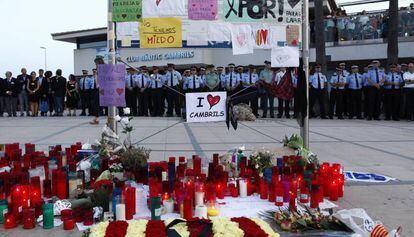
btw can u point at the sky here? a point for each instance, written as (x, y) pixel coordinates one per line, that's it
(26, 25)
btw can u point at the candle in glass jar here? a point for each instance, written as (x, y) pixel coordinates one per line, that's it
(200, 211)
(48, 216)
(286, 187)
(199, 198)
(279, 195)
(263, 189)
(314, 198)
(292, 201)
(168, 206)
(341, 185)
(9, 221)
(29, 219)
(155, 208)
(304, 194)
(219, 191)
(333, 191)
(120, 212)
(69, 224)
(243, 188)
(212, 210)
(188, 208)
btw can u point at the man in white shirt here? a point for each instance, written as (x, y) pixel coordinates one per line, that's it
(130, 92)
(250, 80)
(409, 91)
(172, 78)
(318, 84)
(143, 82)
(156, 92)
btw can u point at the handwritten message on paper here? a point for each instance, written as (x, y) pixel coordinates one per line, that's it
(111, 85)
(161, 33)
(202, 9)
(123, 11)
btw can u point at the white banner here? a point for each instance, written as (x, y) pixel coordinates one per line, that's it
(285, 56)
(161, 8)
(206, 107)
(242, 39)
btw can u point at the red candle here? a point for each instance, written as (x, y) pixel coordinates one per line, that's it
(220, 191)
(263, 189)
(272, 193)
(9, 221)
(47, 188)
(69, 224)
(28, 219)
(292, 201)
(210, 194)
(279, 196)
(129, 194)
(165, 196)
(333, 191)
(197, 165)
(188, 208)
(66, 214)
(341, 185)
(304, 194)
(215, 159)
(314, 199)
(88, 217)
(61, 185)
(234, 192)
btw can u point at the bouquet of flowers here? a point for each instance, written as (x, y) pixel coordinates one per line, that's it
(296, 142)
(262, 159)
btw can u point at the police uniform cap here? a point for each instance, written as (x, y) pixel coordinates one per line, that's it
(193, 67)
(375, 61)
(84, 70)
(231, 65)
(144, 67)
(342, 64)
(267, 62)
(404, 65)
(251, 66)
(338, 69)
(370, 66)
(220, 67)
(239, 67)
(170, 65)
(354, 66)
(155, 68)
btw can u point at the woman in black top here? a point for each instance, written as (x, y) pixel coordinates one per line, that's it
(47, 94)
(72, 95)
(33, 88)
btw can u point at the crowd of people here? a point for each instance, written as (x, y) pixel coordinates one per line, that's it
(159, 91)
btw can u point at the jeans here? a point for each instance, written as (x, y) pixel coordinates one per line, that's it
(23, 102)
(268, 96)
(58, 105)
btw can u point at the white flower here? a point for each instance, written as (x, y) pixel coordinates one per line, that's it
(109, 132)
(118, 118)
(127, 111)
(125, 121)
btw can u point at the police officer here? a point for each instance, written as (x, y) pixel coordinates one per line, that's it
(156, 92)
(193, 82)
(130, 91)
(266, 79)
(355, 83)
(365, 89)
(231, 80)
(409, 91)
(283, 105)
(222, 78)
(392, 94)
(84, 92)
(250, 80)
(93, 89)
(375, 80)
(336, 98)
(202, 76)
(345, 99)
(318, 84)
(143, 82)
(172, 78)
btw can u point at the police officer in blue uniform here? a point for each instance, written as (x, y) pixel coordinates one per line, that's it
(222, 78)
(131, 92)
(355, 83)
(375, 80)
(84, 92)
(157, 92)
(193, 82)
(143, 82)
(336, 98)
(250, 79)
(231, 80)
(318, 84)
(172, 78)
(392, 94)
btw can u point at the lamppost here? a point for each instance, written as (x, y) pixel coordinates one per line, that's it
(44, 48)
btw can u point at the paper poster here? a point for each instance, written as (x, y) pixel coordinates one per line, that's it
(130, 29)
(242, 39)
(123, 11)
(278, 35)
(195, 33)
(126, 42)
(292, 35)
(162, 8)
(287, 56)
(262, 36)
(275, 11)
(111, 85)
(206, 106)
(202, 9)
(161, 33)
(219, 31)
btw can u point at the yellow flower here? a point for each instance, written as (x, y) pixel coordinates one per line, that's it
(224, 227)
(99, 229)
(265, 227)
(136, 228)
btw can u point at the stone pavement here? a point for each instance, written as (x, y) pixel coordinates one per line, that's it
(382, 147)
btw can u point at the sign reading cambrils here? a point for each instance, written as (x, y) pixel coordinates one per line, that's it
(126, 10)
(275, 11)
(206, 106)
(161, 33)
(111, 80)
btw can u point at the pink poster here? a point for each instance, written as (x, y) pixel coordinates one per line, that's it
(202, 9)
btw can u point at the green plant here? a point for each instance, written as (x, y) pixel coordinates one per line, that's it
(134, 158)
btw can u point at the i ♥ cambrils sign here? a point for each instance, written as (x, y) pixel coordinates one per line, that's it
(206, 106)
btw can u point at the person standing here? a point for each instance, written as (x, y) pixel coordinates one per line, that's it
(222, 78)
(2, 94)
(365, 90)
(84, 93)
(11, 92)
(72, 95)
(392, 94)
(375, 80)
(172, 79)
(193, 82)
(283, 105)
(267, 97)
(23, 99)
(94, 91)
(130, 92)
(355, 83)
(59, 88)
(33, 87)
(409, 91)
(41, 77)
(250, 80)
(345, 97)
(336, 98)
(143, 82)
(231, 80)
(318, 85)
(47, 95)
(156, 92)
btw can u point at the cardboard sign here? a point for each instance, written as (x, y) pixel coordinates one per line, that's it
(242, 39)
(164, 8)
(275, 11)
(366, 177)
(202, 9)
(123, 11)
(287, 56)
(111, 80)
(206, 106)
(161, 33)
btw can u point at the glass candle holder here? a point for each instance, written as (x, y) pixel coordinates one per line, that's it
(65, 214)
(69, 224)
(213, 209)
(9, 221)
(48, 216)
(3, 211)
(29, 219)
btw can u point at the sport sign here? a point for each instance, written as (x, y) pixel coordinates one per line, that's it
(206, 106)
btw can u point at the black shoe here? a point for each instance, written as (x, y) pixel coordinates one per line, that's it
(272, 116)
(341, 117)
(360, 117)
(83, 114)
(324, 117)
(330, 117)
(377, 119)
(387, 119)
(396, 119)
(369, 118)
(351, 117)
(279, 116)
(288, 116)
(264, 116)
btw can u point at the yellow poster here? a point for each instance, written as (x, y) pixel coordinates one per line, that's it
(160, 33)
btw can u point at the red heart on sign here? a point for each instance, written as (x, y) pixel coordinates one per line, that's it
(102, 92)
(119, 91)
(213, 100)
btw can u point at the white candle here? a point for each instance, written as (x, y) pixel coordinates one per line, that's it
(199, 198)
(120, 212)
(168, 206)
(164, 176)
(200, 211)
(243, 188)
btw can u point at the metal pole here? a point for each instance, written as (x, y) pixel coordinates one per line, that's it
(44, 48)
(111, 60)
(304, 130)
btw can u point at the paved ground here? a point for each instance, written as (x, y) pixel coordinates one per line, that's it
(376, 146)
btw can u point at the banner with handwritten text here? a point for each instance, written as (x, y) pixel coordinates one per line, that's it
(202, 9)
(125, 11)
(111, 85)
(161, 33)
